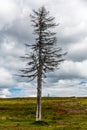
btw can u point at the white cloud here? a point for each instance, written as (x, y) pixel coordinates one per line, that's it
(9, 46)
(27, 89)
(6, 79)
(68, 82)
(8, 12)
(4, 93)
(78, 51)
(72, 69)
(67, 88)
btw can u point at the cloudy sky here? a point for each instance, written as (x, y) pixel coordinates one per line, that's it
(16, 30)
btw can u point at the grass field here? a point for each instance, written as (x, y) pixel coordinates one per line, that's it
(57, 114)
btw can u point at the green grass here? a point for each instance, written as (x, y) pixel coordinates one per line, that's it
(57, 114)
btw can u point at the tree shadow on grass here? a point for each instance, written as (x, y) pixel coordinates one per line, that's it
(40, 123)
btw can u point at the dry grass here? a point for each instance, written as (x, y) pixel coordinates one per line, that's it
(57, 114)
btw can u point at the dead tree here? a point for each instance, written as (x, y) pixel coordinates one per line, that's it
(46, 56)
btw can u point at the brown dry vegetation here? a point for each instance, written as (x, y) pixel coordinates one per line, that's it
(57, 114)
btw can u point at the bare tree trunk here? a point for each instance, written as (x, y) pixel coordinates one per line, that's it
(39, 91)
(39, 87)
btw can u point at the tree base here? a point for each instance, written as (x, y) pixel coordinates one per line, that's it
(40, 123)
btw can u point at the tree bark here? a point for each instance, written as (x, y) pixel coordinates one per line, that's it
(39, 83)
(39, 92)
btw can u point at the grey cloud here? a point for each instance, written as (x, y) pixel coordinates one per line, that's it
(20, 30)
(71, 35)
